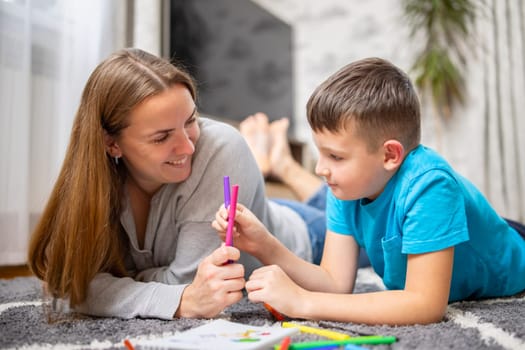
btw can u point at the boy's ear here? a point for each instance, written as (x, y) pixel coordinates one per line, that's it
(394, 153)
(112, 147)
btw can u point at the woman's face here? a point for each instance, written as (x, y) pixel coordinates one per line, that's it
(158, 144)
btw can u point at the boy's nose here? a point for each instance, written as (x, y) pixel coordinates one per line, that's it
(320, 170)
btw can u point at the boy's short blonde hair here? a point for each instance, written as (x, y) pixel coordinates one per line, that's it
(376, 96)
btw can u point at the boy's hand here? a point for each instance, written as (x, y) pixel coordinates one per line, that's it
(248, 232)
(271, 285)
(216, 285)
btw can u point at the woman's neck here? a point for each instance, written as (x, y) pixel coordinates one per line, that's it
(140, 205)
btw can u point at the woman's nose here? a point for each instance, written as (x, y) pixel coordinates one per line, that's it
(184, 143)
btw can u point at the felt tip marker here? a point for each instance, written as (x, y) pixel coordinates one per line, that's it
(362, 340)
(128, 345)
(285, 343)
(226, 183)
(276, 314)
(231, 216)
(317, 331)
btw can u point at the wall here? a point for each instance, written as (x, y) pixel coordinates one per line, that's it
(329, 34)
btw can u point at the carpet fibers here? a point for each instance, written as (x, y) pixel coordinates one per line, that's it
(487, 324)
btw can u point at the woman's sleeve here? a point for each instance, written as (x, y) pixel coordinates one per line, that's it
(123, 297)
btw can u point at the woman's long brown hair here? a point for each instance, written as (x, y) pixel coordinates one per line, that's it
(79, 233)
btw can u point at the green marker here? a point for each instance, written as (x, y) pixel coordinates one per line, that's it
(367, 339)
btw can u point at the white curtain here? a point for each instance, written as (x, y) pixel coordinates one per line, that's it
(48, 48)
(503, 59)
(486, 139)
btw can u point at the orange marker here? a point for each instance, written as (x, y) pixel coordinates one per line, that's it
(128, 345)
(278, 316)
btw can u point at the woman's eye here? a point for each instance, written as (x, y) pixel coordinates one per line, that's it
(161, 139)
(190, 121)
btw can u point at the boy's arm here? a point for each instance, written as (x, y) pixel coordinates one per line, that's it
(424, 299)
(336, 273)
(308, 291)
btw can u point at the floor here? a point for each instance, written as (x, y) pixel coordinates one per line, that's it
(14, 271)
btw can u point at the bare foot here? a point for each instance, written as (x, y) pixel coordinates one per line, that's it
(280, 154)
(285, 168)
(256, 131)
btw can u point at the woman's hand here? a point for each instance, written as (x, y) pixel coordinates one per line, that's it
(249, 233)
(271, 285)
(217, 284)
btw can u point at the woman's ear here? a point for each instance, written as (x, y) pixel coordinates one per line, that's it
(112, 147)
(394, 153)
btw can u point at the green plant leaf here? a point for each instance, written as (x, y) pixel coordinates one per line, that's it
(445, 26)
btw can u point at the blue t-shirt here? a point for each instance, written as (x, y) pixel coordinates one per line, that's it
(425, 207)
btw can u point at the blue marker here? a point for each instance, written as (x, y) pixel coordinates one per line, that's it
(354, 347)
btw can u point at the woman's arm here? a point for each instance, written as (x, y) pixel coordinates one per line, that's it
(214, 287)
(123, 297)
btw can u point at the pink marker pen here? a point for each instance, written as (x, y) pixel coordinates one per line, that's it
(231, 215)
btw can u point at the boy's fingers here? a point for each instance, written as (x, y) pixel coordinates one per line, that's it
(241, 214)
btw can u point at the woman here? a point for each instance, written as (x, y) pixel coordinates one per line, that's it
(127, 229)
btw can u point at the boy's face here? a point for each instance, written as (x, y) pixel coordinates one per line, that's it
(350, 170)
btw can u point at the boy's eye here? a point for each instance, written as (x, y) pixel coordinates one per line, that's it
(334, 157)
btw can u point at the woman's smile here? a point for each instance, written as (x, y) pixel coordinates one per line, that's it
(178, 163)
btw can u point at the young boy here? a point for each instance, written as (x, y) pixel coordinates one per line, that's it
(428, 232)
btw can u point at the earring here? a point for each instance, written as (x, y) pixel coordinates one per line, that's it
(116, 160)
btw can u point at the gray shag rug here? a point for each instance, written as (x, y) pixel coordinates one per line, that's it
(487, 324)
